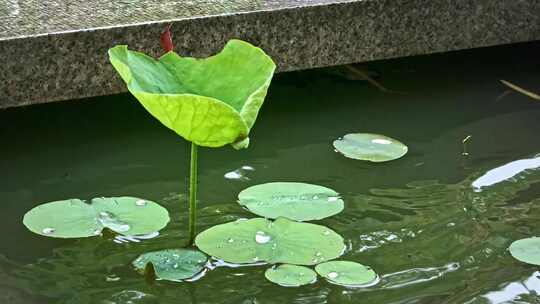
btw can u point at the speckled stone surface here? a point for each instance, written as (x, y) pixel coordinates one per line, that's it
(57, 50)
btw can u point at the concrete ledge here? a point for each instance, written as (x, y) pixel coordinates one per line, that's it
(58, 60)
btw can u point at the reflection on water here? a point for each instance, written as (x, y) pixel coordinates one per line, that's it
(240, 173)
(417, 221)
(119, 239)
(524, 291)
(506, 172)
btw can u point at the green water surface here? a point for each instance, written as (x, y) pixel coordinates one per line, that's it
(416, 220)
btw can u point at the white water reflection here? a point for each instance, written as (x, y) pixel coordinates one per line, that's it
(505, 172)
(129, 297)
(416, 275)
(119, 239)
(377, 239)
(515, 290)
(239, 174)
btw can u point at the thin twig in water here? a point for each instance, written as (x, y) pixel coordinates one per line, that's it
(464, 142)
(521, 90)
(365, 75)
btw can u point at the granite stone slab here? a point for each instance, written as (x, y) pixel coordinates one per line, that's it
(57, 50)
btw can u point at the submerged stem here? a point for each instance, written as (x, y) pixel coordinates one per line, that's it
(193, 194)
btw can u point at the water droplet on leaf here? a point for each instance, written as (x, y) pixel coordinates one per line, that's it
(140, 203)
(381, 141)
(110, 221)
(261, 237)
(48, 230)
(333, 275)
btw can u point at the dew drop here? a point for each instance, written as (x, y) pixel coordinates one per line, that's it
(332, 275)
(175, 266)
(262, 238)
(48, 230)
(140, 202)
(318, 254)
(315, 197)
(256, 259)
(96, 232)
(327, 232)
(230, 240)
(332, 199)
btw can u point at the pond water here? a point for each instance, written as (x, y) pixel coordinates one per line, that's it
(416, 220)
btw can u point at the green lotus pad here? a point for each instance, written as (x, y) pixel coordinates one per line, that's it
(370, 147)
(75, 218)
(172, 264)
(211, 102)
(347, 273)
(295, 201)
(526, 250)
(279, 241)
(291, 275)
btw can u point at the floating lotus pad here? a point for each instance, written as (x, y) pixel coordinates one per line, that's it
(370, 147)
(347, 273)
(75, 218)
(526, 250)
(291, 275)
(279, 241)
(176, 90)
(173, 264)
(296, 201)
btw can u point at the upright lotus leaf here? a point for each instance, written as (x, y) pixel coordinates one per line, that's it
(526, 250)
(347, 273)
(210, 102)
(290, 275)
(75, 218)
(279, 241)
(172, 264)
(295, 201)
(370, 147)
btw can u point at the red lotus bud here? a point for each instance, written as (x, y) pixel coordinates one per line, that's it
(165, 40)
